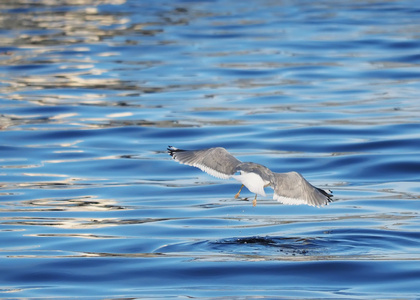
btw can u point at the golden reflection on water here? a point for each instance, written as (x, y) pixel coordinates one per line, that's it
(81, 203)
(54, 29)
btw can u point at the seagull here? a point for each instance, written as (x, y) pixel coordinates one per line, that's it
(289, 188)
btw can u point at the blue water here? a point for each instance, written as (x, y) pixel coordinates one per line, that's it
(92, 92)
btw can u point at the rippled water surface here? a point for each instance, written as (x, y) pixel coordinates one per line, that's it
(93, 91)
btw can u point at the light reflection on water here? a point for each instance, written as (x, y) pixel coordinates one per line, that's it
(92, 92)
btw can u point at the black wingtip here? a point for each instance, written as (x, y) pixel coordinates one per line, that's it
(326, 193)
(172, 150)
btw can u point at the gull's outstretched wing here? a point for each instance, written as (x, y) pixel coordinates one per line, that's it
(292, 188)
(217, 162)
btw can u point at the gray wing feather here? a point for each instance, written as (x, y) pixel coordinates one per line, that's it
(217, 162)
(292, 188)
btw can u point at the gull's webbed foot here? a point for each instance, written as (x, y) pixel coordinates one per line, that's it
(254, 203)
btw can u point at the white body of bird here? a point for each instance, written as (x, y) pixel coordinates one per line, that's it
(253, 182)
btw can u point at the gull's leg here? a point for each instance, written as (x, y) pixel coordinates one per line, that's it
(254, 203)
(237, 194)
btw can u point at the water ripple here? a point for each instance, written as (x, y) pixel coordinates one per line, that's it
(347, 244)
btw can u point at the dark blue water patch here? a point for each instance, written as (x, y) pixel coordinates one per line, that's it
(318, 46)
(92, 167)
(375, 167)
(70, 132)
(394, 8)
(42, 110)
(396, 169)
(62, 135)
(211, 34)
(370, 43)
(248, 72)
(166, 275)
(56, 271)
(16, 158)
(364, 138)
(373, 241)
(148, 169)
(196, 190)
(18, 10)
(72, 51)
(338, 131)
(404, 45)
(389, 169)
(384, 146)
(7, 150)
(394, 129)
(410, 58)
(195, 135)
(9, 49)
(395, 74)
(348, 162)
(26, 67)
(308, 68)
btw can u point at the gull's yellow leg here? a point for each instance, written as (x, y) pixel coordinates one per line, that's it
(237, 194)
(254, 203)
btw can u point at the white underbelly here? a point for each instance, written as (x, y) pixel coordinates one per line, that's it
(253, 182)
